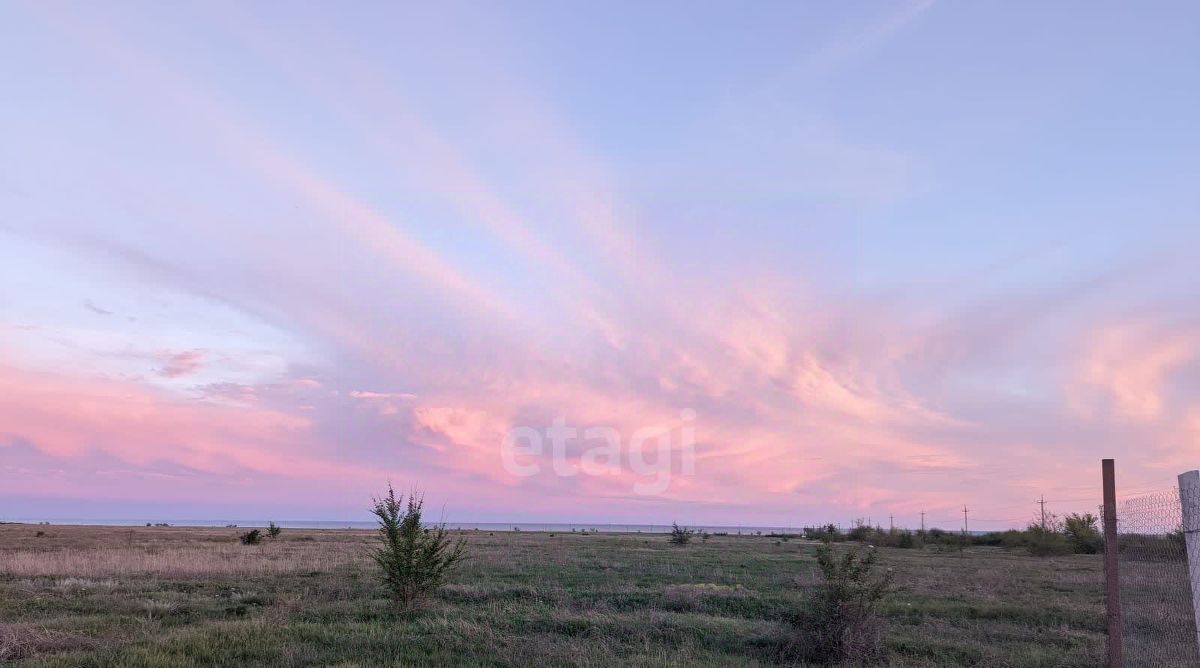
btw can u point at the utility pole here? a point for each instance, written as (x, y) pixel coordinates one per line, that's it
(1042, 503)
(922, 521)
(891, 523)
(963, 545)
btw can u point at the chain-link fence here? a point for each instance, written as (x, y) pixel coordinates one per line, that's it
(1157, 621)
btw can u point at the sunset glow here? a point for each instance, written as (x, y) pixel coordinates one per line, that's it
(871, 259)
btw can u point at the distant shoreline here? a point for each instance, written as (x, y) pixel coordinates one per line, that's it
(467, 526)
(557, 527)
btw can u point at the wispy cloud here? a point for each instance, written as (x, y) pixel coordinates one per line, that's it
(95, 309)
(185, 363)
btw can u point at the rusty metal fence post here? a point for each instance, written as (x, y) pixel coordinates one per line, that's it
(1112, 581)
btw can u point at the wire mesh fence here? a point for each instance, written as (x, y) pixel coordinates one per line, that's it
(1157, 620)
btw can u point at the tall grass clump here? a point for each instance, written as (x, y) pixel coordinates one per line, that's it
(413, 559)
(840, 623)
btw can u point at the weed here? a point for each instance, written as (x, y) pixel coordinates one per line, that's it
(841, 623)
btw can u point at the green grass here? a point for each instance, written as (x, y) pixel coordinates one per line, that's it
(87, 596)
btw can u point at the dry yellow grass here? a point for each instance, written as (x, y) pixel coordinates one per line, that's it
(167, 552)
(171, 562)
(18, 641)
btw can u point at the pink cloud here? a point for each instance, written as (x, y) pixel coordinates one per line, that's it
(1132, 364)
(177, 365)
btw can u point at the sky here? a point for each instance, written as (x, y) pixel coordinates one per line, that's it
(802, 262)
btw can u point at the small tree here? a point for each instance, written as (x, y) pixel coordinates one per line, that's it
(1082, 533)
(680, 535)
(251, 537)
(273, 530)
(841, 622)
(413, 559)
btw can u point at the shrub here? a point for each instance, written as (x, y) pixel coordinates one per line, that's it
(1153, 547)
(1046, 538)
(1082, 533)
(841, 623)
(680, 535)
(413, 559)
(273, 530)
(1049, 541)
(251, 537)
(1049, 544)
(861, 532)
(826, 534)
(1012, 538)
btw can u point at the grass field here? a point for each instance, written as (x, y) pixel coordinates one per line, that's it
(93, 596)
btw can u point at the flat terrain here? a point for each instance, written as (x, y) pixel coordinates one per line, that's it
(95, 596)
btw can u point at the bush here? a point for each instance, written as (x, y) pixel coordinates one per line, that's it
(841, 623)
(1049, 544)
(1153, 547)
(826, 534)
(1082, 533)
(1048, 540)
(680, 535)
(251, 537)
(413, 559)
(273, 530)
(861, 532)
